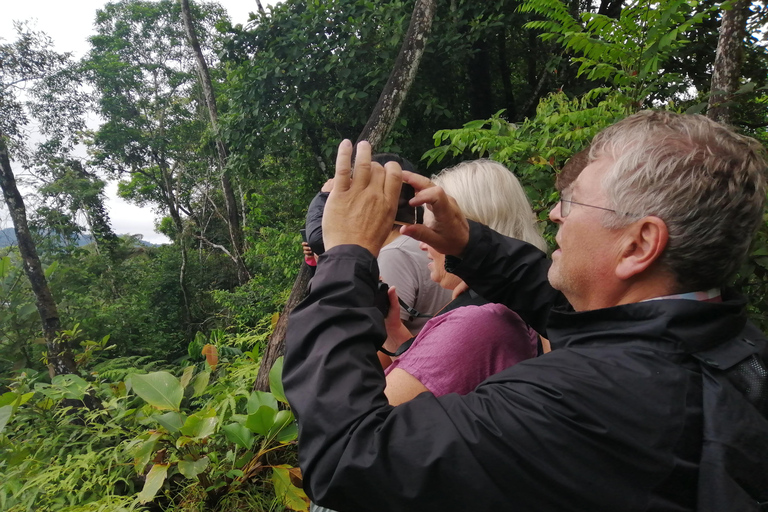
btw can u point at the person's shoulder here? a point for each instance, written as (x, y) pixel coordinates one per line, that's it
(400, 243)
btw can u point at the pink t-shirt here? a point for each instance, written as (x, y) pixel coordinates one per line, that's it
(458, 350)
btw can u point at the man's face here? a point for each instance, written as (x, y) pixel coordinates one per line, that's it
(583, 267)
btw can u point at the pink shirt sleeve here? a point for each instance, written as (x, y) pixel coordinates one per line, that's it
(458, 350)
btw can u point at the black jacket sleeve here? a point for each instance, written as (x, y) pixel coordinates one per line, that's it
(509, 272)
(314, 223)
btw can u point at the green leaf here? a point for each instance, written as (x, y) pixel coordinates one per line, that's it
(191, 469)
(5, 415)
(200, 425)
(159, 389)
(51, 269)
(143, 451)
(276, 380)
(71, 386)
(201, 382)
(5, 265)
(172, 421)
(283, 419)
(261, 421)
(186, 377)
(238, 434)
(292, 497)
(259, 398)
(154, 482)
(26, 310)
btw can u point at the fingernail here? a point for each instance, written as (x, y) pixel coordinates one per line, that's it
(346, 143)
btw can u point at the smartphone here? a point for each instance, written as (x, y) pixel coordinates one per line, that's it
(407, 214)
(303, 235)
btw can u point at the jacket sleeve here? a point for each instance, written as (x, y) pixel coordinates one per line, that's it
(314, 223)
(510, 272)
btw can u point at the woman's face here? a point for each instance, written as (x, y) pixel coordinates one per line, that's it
(437, 262)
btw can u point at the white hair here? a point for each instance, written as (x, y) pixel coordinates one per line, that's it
(488, 192)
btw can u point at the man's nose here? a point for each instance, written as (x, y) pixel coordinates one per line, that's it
(554, 213)
(423, 246)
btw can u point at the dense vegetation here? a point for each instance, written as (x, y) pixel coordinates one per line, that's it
(158, 410)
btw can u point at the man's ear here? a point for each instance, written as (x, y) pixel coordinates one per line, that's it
(645, 241)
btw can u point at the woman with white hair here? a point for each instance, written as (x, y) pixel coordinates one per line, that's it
(470, 339)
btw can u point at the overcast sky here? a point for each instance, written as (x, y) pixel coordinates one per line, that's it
(69, 24)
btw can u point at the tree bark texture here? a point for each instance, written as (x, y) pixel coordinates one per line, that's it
(727, 69)
(387, 109)
(230, 201)
(59, 353)
(276, 344)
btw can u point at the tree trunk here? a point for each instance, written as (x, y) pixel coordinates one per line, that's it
(230, 202)
(276, 345)
(59, 353)
(727, 69)
(393, 96)
(377, 128)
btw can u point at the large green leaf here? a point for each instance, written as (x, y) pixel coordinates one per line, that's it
(292, 497)
(261, 421)
(71, 386)
(276, 380)
(259, 398)
(200, 425)
(154, 482)
(201, 382)
(159, 389)
(238, 434)
(142, 452)
(192, 468)
(284, 428)
(5, 415)
(172, 420)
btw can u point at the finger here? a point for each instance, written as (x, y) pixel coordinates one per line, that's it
(422, 233)
(417, 181)
(378, 176)
(362, 165)
(343, 166)
(393, 182)
(428, 196)
(393, 303)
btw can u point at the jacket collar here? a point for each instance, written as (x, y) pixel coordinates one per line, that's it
(692, 326)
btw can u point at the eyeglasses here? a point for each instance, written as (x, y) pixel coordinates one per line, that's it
(565, 207)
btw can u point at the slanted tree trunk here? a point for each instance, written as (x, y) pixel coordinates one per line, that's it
(727, 70)
(377, 128)
(59, 353)
(276, 344)
(387, 109)
(230, 201)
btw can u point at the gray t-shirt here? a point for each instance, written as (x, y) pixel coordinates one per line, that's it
(403, 265)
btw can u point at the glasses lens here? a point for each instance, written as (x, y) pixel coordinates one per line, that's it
(565, 207)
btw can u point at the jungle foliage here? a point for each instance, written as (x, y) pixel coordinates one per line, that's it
(161, 413)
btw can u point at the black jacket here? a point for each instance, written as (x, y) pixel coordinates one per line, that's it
(611, 420)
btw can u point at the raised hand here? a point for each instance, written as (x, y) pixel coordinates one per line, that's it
(446, 230)
(361, 209)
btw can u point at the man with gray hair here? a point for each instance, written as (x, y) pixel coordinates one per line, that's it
(655, 395)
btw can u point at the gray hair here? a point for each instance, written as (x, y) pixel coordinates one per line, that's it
(489, 193)
(704, 181)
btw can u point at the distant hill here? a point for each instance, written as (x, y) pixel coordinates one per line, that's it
(8, 237)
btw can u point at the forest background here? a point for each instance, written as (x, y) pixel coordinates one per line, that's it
(147, 378)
